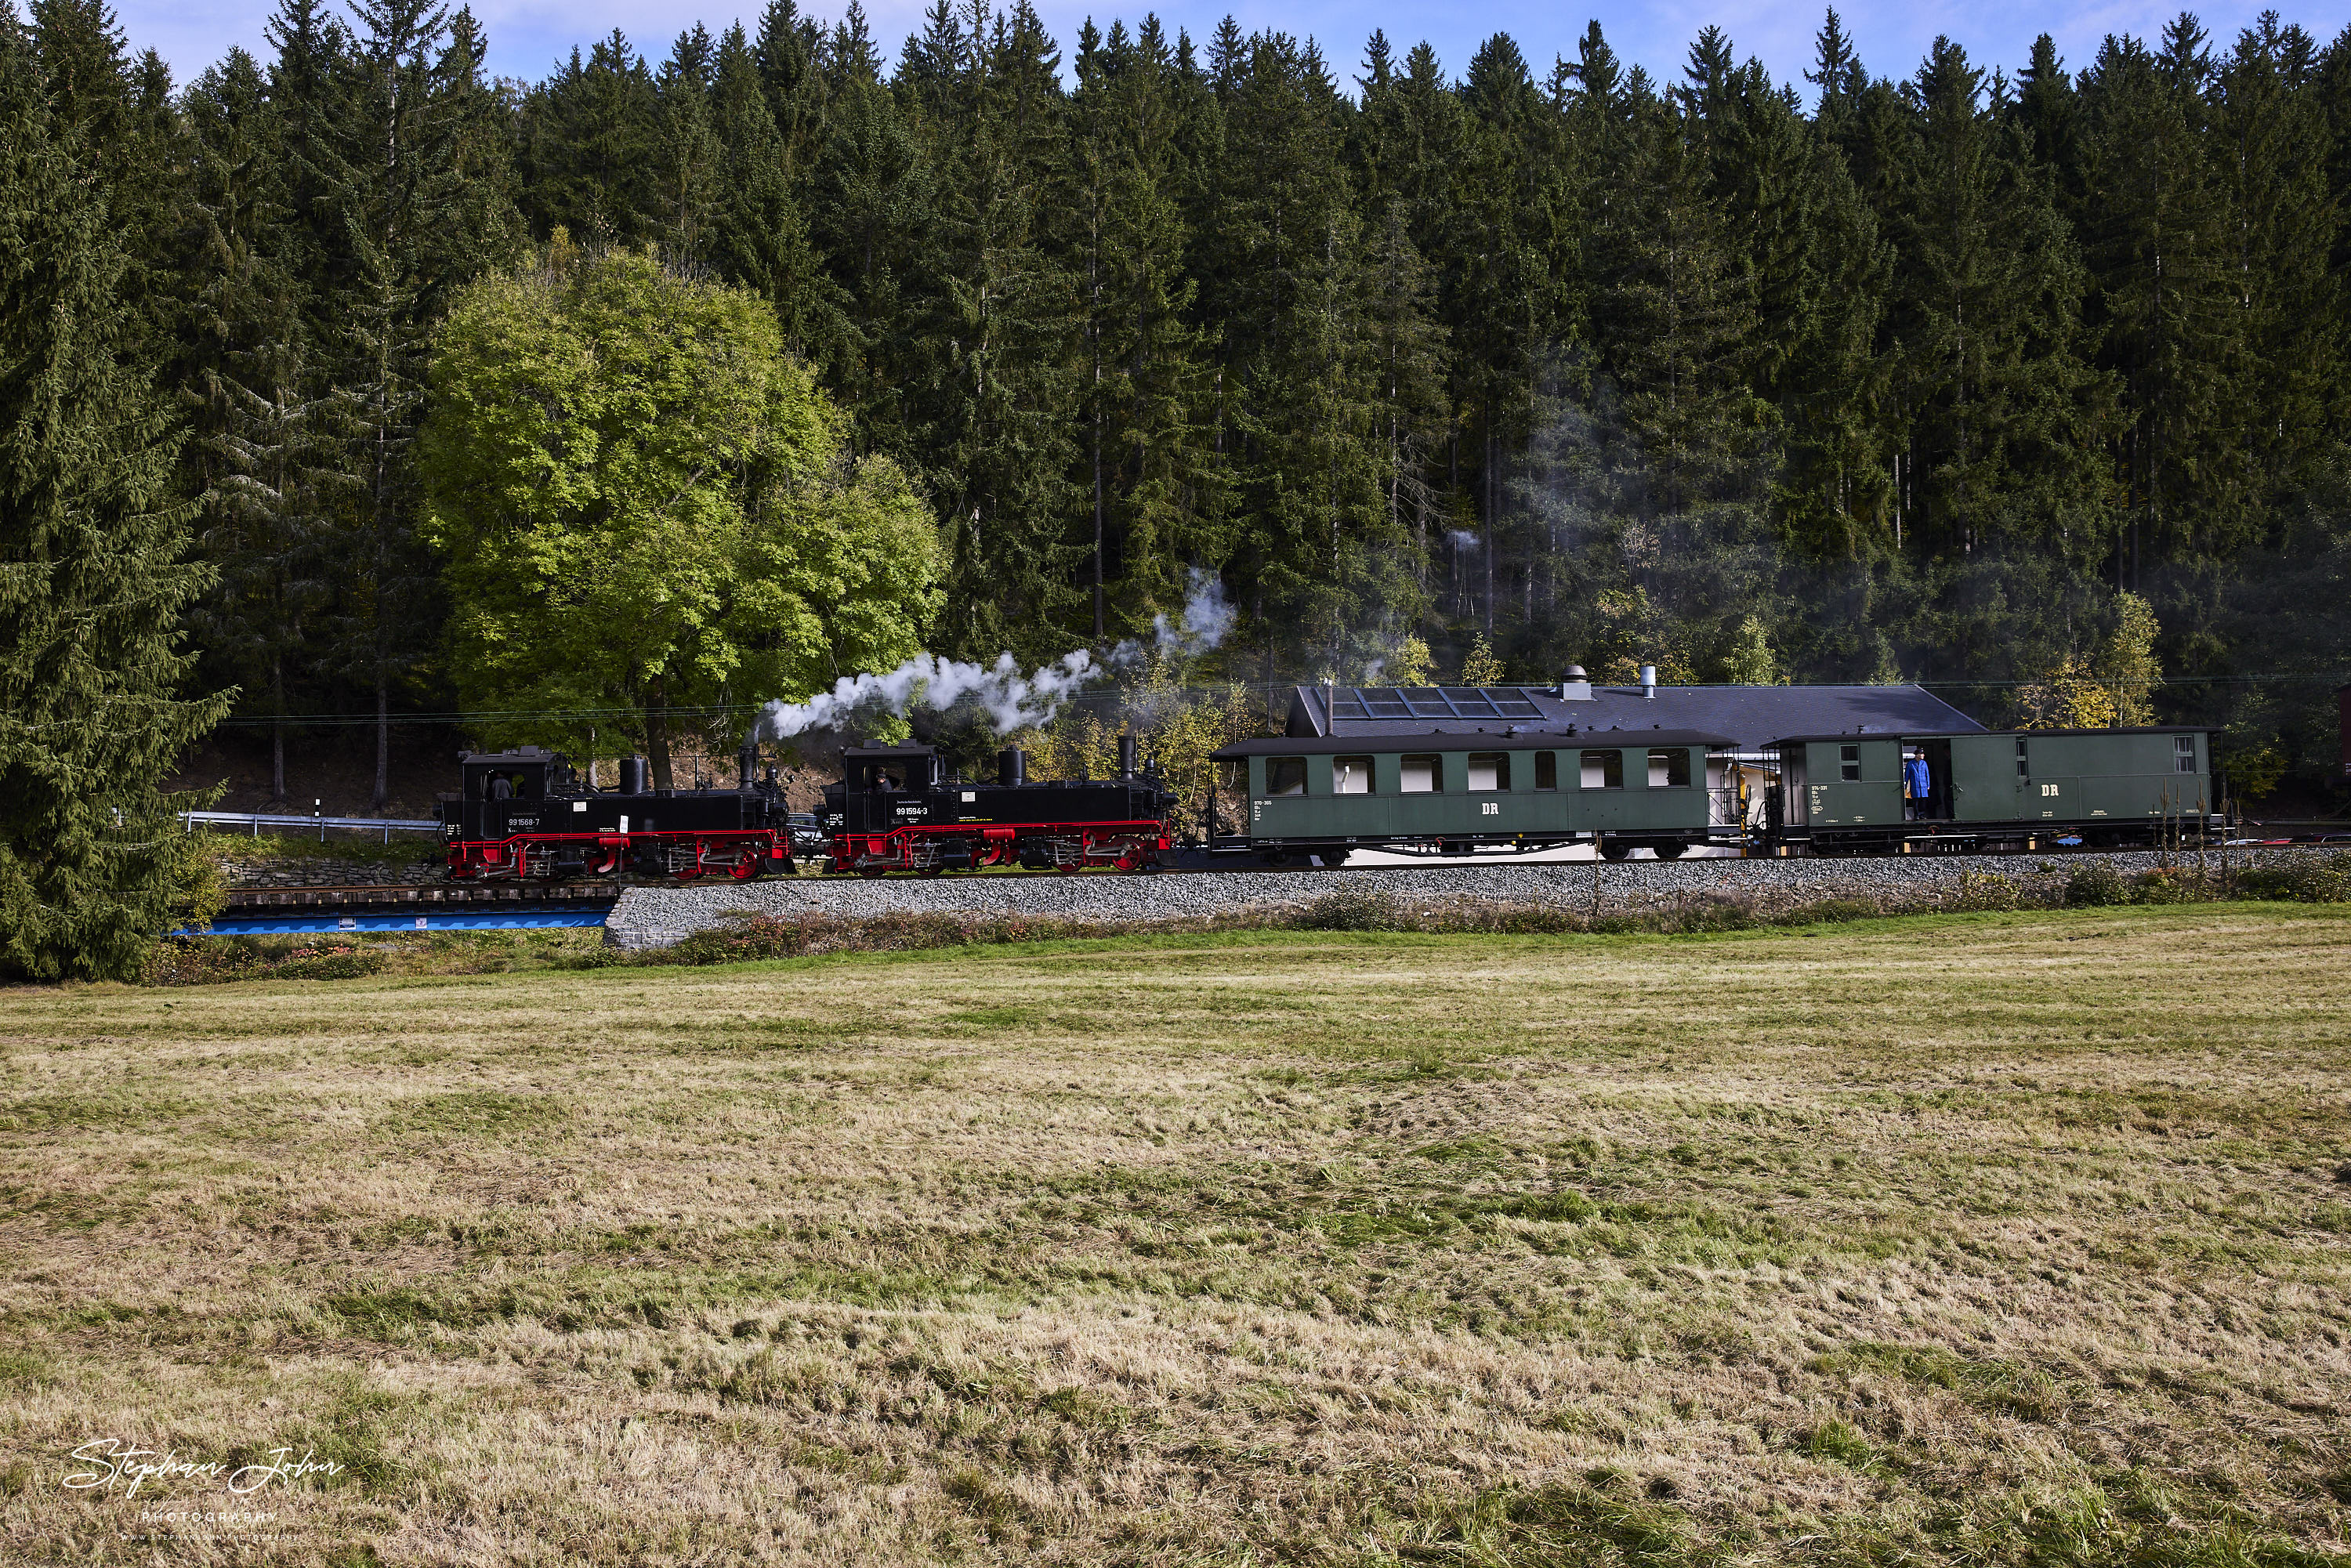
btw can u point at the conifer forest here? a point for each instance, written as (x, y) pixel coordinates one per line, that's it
(1911, 369)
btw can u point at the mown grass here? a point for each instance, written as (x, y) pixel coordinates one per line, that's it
(2001, 1238)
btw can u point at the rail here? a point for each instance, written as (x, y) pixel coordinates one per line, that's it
(257, 820)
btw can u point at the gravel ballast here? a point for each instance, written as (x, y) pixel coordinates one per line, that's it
(649, 917)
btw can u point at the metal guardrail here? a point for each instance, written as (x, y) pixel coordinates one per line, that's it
(257, 820)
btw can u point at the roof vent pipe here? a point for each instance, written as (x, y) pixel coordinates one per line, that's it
(1649, 682)
(1575, 686)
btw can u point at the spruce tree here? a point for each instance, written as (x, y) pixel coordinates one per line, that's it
(2006, 415)
(997, 342)
(760, 231)
(2154, 228)
(243, 373)
(1295, 367)
(789, 59)
(2050, 112)
(420, 213)
(115, 113)
(691, 157)
(873, 195)
(593, 146)
(2267, 124)
(93, 578)
(1499, 305)
(1155, 489)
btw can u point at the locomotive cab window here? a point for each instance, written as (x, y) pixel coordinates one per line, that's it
(1489, 770)
(1849, 764)
(1351, 776)
(1285, 776)
(1603, 771)
(1546, 769)
(2183, 753)
(1419, 775)
(1669, 768)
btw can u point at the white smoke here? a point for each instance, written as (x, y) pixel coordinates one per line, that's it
(1011, 699)
(1462, 539)
(1207, 617)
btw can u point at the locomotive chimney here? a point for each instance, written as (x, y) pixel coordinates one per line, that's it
(1011, 766)
(1126, 756)
(633, 775)
(746, 766)
(1649, 682)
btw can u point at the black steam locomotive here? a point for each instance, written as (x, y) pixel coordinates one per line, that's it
(528, 813)
(896, 810)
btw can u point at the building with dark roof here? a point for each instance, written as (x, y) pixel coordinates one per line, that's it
(1751, 716)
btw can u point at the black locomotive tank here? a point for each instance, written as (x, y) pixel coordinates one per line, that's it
(896, 810)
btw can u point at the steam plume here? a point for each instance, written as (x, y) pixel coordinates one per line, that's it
(1011, 699)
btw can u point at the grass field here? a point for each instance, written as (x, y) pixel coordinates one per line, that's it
(1975, 1239)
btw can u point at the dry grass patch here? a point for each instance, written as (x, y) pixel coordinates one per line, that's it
(1988, 1238)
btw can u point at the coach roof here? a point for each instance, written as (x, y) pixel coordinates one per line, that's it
(1499, 738)
(1751, 716)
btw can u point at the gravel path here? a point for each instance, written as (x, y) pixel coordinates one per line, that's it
(657, 917)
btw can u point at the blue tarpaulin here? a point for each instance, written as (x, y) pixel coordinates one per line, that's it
(486, 917)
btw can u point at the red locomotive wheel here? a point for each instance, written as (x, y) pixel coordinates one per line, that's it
(745, 868)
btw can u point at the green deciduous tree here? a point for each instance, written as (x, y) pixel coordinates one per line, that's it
(645, 505)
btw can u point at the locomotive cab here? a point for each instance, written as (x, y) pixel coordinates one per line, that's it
(882, 787)
(524, 773)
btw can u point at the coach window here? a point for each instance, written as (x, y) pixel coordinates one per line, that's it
(1418, 775)
(1285, 776)
(1603, 771)
(1351, 776)
(1669, 768)
(2183, 753)
(1489, 770)
(1849, 764)
(2023, 760)
(1546, 769)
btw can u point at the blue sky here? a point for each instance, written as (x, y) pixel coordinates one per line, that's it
(528, 38)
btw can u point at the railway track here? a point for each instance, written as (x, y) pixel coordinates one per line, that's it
(427, 895)
(329, 898)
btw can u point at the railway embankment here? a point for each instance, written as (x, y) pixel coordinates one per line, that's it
(654, 917)
(323, 872)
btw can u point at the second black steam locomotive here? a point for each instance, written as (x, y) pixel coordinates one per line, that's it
(896, 810)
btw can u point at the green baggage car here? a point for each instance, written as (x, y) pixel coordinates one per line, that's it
(1992, 790)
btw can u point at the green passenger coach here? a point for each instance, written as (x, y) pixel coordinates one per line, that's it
(1989, 790)
(1450, 791)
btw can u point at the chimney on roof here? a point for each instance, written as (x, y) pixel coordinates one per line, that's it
(1575, 686)
(1649, 682)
